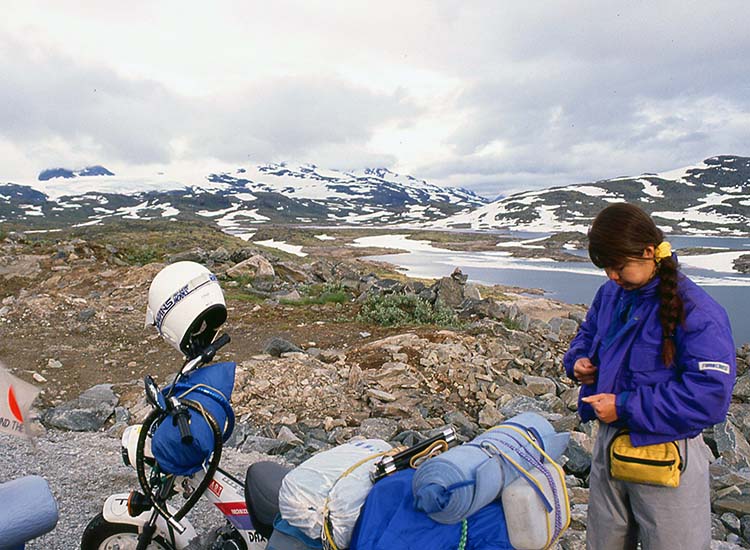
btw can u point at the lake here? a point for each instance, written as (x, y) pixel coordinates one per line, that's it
(575, 282)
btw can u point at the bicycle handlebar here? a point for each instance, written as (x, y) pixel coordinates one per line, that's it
(182, 419)
(206, 355)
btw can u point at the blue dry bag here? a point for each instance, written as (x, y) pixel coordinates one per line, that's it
(211, 387)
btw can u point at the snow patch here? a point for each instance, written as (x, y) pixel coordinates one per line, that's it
(282, 245)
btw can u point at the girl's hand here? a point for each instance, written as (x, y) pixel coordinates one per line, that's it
(604, 405)
(584, 371)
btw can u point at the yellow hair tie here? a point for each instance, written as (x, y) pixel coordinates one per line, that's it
(664, 250)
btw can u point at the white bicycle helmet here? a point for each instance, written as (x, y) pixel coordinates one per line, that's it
(186, 305)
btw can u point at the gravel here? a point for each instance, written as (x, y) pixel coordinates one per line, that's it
(83, 469)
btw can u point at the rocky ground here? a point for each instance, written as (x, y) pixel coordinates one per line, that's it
(312, 373)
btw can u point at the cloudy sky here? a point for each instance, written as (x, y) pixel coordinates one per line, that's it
(493, 96)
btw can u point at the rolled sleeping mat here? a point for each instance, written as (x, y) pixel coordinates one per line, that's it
(455, 484)
(29, 511)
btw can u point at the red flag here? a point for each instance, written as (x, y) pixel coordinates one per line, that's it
(16, 397)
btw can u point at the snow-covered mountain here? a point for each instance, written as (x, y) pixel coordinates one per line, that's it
(235, 200)
(712, 198)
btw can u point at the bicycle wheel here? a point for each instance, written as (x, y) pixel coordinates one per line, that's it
(103, 535)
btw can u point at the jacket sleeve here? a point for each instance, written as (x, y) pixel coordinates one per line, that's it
(699, 397)
(581, 343)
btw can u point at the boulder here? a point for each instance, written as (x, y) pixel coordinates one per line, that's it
(732, 445)
(578, 454)
(255, 266)
(539, 385)
(449, 291)
(195, 255)
(378, 428)
(87, 413)
(276, 346)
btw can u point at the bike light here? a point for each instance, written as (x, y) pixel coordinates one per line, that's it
(138, 503)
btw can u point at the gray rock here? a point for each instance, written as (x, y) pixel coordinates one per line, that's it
(465, 426)
(288, 295)
(87, 413)
(255, 266)
(521, 404)
(386, 286)
(489, 416)
(220, 255)
(724, 545)
(449, 291)
(381, 395)
(539, 385)
(742, 263)
(731, 521)
(738, 505)
(265, 445)
(276, 346)
(732, 445)
(378, 428)
(459, 276)
(86, 314)
(288, 436)
(570, 398)
(241, 431)
(577, 316)
(745, 527)
(578, 454)
(195, 255)
(289, 272)
(742, 387)
(718, 529)
(472, 291)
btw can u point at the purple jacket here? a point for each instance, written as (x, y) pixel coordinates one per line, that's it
(657, 403)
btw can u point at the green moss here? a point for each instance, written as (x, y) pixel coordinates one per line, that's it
(405, 309)
(511, 324)
(142, 255)
(320, 294)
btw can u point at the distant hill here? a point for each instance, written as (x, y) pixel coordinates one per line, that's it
(712, 198)
(51, 173)
(236, 201)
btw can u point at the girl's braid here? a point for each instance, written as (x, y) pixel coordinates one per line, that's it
(670, 307)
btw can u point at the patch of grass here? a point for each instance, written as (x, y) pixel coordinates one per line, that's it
(142, 255)
(494, 292)
(243, 297)
(136, 237)
(405, 309)
(321, 294)
(511, 324)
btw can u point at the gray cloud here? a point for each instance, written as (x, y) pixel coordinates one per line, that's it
(100, 114)
(45, 97)
(550, 92)
(286, 118)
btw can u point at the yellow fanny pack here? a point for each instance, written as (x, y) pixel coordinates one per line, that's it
(658, 464)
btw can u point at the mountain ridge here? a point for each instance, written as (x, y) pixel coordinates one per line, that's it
(236, 200)
(710, 198)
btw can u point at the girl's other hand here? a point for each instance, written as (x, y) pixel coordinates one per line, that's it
(584, 371)
(605, 406)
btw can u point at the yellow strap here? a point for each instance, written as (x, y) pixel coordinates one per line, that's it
(327, 534)
(433, 450)
(556, 467)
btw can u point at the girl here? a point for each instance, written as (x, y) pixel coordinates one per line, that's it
(654, 356)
